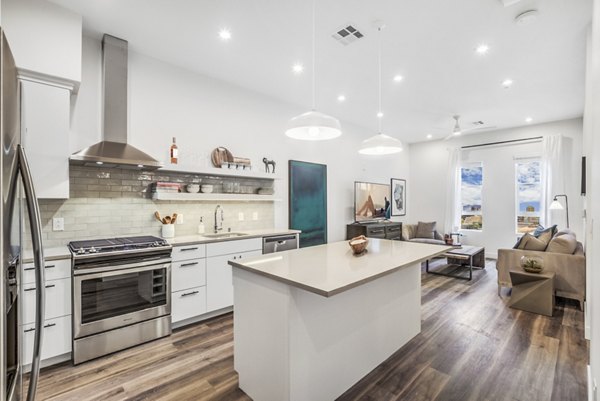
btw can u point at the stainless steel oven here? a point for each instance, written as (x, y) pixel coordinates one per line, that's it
(121, 298)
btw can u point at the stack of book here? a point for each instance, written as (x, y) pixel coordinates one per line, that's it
(166, 187)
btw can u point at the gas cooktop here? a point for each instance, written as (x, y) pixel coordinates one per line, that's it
(116, 245)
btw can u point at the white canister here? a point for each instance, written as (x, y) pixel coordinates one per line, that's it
(168, 230)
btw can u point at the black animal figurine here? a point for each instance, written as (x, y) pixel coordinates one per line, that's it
(269, 163)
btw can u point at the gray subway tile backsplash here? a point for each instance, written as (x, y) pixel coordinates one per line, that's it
(118, 202)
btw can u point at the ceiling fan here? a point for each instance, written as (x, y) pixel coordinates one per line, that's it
(458, 131)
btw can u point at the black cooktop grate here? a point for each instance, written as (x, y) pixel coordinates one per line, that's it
(116, 244)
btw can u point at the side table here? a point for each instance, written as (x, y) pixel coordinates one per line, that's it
(532, 292)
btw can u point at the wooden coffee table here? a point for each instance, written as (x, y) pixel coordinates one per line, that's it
(472, 257)
(532, 292)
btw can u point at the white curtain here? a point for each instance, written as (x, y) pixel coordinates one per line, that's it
(553, 178)
(452, 213)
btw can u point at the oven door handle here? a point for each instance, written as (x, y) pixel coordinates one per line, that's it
(121, 268)
(82, 277)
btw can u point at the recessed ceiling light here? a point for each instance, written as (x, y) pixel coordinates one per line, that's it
(298, 68)
(528, 120)
(379, 114)
(507, 83)
(225, 34)
(341, 98)
(398, 78)
(482, 49)
(526, 18)
(429, 136)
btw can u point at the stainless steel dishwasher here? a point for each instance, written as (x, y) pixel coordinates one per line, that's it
(280, 243)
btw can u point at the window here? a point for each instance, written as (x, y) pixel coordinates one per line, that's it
(471, 184)
(528, 195)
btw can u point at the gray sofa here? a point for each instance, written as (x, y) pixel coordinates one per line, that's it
(569, 281)
(409, 231)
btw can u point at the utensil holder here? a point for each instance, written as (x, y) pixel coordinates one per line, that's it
(168, 230)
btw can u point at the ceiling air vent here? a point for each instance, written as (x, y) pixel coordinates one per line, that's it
(478, 123)
(347, 34)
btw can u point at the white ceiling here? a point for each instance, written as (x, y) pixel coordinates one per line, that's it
(429, 42)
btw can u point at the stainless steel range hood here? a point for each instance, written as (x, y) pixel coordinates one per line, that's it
(114, 151)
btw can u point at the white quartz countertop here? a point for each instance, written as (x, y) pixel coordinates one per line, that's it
(201, 239)
(62, 252)
(56, 253)
(330, 269)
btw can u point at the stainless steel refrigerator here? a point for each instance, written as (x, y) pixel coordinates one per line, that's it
(19, 206)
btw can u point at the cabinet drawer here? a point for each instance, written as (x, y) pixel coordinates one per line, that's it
(237, 246)
(58, 300)
(188, 252)
(188, 274)
(188, 303)
(376, 232)
(57, 339)
(55, 269)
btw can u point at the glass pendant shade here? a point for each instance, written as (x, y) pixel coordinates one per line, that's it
(314, 126)
(380, 144)
(556, 205)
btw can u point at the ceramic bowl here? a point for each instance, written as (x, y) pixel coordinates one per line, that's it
(206, 189)
(192, 188)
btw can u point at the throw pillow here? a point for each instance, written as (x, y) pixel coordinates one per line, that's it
(546, 235)
(425, 230)
(565, 231)
(565, 243)
(530, 243)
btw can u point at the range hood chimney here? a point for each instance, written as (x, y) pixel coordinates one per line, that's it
(114, 151)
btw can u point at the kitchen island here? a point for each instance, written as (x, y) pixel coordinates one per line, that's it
(309, 323)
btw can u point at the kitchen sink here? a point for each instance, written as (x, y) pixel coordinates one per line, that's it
(225, 235)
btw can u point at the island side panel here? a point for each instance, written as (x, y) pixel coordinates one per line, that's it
(291, 344)
(336, 341)
(261, 336)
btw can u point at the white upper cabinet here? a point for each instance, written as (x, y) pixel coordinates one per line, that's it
(45, 40)
(45, 111)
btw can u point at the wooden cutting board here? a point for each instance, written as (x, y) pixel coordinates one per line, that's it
(220, 156)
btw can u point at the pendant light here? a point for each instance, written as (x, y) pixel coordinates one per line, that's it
(380, 144)
(313, 125)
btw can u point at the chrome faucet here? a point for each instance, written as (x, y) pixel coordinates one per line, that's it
(218, 223)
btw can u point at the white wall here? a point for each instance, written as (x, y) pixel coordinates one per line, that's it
(592, 151)
(203, 113)
(44, 37)
(429, 163)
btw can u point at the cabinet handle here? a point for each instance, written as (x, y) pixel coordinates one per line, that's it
(189, 249)
(46, 326)
(33, 268)
(189, 293)
(33, 288)
(188, 264)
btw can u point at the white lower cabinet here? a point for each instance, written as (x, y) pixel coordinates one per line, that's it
(57, 317)
(58, 300)
(56, 339)
(219, 280)
(188, 303)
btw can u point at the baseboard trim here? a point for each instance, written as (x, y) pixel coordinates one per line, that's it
(591, 390)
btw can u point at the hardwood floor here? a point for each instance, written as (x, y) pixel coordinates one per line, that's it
(472, 348)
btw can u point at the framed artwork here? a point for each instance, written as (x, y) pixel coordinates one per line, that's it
(308, 201)
(398, 197)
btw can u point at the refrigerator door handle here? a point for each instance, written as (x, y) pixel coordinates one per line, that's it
(38, 261)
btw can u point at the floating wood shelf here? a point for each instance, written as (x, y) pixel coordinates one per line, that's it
(220, 172)
(198, 197)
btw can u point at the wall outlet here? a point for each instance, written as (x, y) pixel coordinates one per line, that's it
(241, 216)
(58, 224)
(179, 219)
(254, 215)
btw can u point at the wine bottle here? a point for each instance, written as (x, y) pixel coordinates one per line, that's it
(174, 152)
